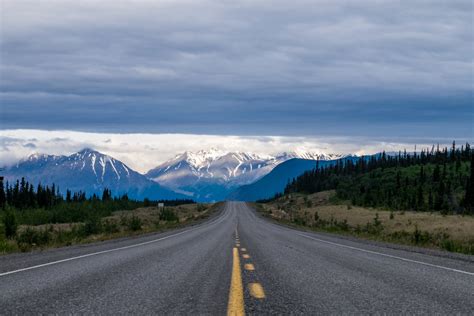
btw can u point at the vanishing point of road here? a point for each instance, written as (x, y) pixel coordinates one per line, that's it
(235, 263)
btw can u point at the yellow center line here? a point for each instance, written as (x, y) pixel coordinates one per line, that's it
(236, 293)
(256, 290)
(249, 267)
(245, 256)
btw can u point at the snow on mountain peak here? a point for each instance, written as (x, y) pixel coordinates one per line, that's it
(303, 153)
(37, 157)
(203, 157)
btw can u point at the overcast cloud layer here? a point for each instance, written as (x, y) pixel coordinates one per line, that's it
(384, 68)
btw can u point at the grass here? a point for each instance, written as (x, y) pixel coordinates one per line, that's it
(322, 212)
(118, 224)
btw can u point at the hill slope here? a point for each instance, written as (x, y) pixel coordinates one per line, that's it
(274, 182)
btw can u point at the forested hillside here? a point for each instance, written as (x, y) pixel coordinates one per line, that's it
(435, 179)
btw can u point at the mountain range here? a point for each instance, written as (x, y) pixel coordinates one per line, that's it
(212, 175)
(89, 171)
(206, 175)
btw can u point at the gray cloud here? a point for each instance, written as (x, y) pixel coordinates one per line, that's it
(239, 67)
(29, 145)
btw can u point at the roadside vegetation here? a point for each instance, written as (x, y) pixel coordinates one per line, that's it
(323, 212)
(36, 219)
(423, 199)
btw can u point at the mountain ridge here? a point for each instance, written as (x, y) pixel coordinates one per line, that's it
(213, 174)
(90, 171)
(204, 175)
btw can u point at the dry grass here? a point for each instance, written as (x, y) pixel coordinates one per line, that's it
(458, 228)
(150, 215)
(115, 226)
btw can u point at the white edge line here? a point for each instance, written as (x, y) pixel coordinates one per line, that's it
(105, 251)
(370, 251)
(387, 255)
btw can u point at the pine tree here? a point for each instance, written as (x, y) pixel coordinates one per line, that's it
(430, 200)
(440, 196)
(3, 197)
(420, 199)
(106, 195)
(469, 197)
(436, 173)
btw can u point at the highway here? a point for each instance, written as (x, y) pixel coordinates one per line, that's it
(235, 263)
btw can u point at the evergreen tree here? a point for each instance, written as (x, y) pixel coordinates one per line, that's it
(402, 181)
(3, 197)
(430, 200)
(106, 195)
(469, 196)
(436, 173)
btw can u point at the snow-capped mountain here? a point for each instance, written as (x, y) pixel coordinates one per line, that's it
(204, 175)
(208, 175)
(301, 154)
(89, 171)
(212, 174)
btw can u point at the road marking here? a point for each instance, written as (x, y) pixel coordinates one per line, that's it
(256, 290)
(249, 267)
(243, 249)
(237, 245)
(235, 307)
(110, 250)
(245, 256)
(387, 255)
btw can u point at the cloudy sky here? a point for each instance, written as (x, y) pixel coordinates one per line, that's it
(389, 71)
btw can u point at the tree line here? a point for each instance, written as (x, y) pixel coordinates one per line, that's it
(23, 195)
(438, 179)
(44, 204)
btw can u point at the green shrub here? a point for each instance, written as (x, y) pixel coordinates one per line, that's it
(10, 224)
(110, 226)
(31, 237)
(298, 220)
(134, 223)
(168, 215)
(91, 226)
(377, 222)
(7, 246)
(200, 207)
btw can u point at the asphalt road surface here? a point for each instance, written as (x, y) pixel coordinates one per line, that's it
(234, 263)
